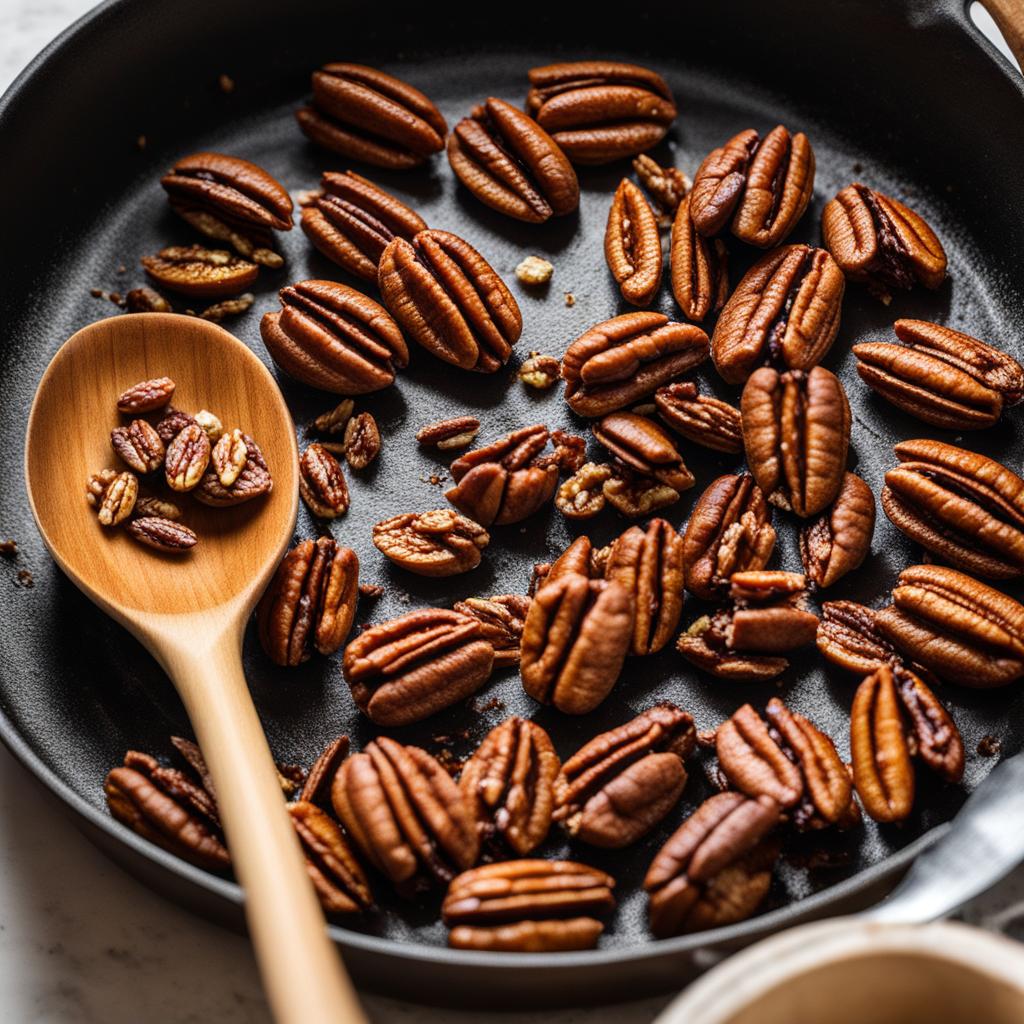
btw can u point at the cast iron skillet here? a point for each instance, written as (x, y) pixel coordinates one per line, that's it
(905, 96)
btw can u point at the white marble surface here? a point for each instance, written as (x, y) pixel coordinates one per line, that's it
(83, 943)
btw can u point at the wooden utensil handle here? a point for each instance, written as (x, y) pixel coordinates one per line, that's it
(302, 972)
(1009, 16)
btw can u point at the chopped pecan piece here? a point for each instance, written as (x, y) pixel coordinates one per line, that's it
(335, 419)
(632, 245)
(534, 271)
(316, 789)
(146, 300)
(700, 267)
(447, 434)
(337, 876)
(146, 396)
(501, 621)
(210, 423)
(636, 496)
(539, 371)
(139, 445)
(582, 495)
(438, 543)
(643, 446)
(667, 186)
(252, 482)
(839, 540)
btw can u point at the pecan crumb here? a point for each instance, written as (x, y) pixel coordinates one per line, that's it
(228, 307)
(534, 270)
(146, 300)
(990, 746)
(371, 591)
(539, 371)
(8, 548)
(570, 299)
(25, 579)
(493, 704)
(226, 83)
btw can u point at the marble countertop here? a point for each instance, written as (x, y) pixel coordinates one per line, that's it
(83, 943)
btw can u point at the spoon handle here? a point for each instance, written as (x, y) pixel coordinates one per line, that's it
(302, 972)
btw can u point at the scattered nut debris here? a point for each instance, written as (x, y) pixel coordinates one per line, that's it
(334, 420)
(8, 548)
(570, 299)
(146, 300)
(534, 270)
(990, 746)
(228, 307)
(539, 371)
(25, 578)
(371, 591)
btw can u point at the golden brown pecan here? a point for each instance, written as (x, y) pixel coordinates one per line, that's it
(965, 508)
(511, 164)
(705, 420)
(352, 221)
(447, 434)
(700, 274)
(310, 603)
(649, 564)
(667, 186)
(147, 505)
(162, 534)
(437, 543)
(362, 440)
(528, 906)
(931, 732)
(570, 451)
(210, 423)
(193, 270)
(617, 787)
(252, 482)
(368, 115)
(636, 496)
(796, 431)
(450, 300)
(785, 310)
(113, 495)
(716, 867)
(146, 300)
(960, 629)
(643, 446)
(632, 245)
(228, 307)
(146, 396)
(139, 445)
(730, 530)
(839, 540)
(619, 361)
(173, 422)
(322, 483)
(582, 495)
(229, 456)
(332, 337)
(187, 457)
(97, 484)
(501, 621)
(507, 480)
(575, 639)
(406, 815)
(510, 784)
(334, 420)
(168, 808)
(601, 110)
(879, 241)
(539, 371)
(407, 669)
(848, 636)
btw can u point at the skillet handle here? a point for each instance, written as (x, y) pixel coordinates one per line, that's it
(1009, 17)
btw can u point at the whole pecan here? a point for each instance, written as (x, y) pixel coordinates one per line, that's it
(932, 734)
(785, 310)
(146, 396)
(447, 434)
(632, 245)
(839, 540)
(231, 200)
(796, 431)
(700, 267)
(643, 446)
(510, 784)
(715, 869)
(252, 482)
(310, 603)
(880, 242)
(528, 906)
(617, 787)
(601, 110)
(963, 507)
(619, 361)
(649, 564)
(113, 495)
(229, 456)
(730, 530)
(368, 115)
(958, 628)
(848, 636)
(186, 459)
(139, 445)
(337, 876)
(193, 270)
(409, 668)
(703, 419)
(406, 814)
(575, 639)
(581, 496)
(353, 221)
(511, 164)
(437, 543)
(149, 506)
(332, 337)
(162, 534)
(450, 300)
(762, 185)
(322, 483)
(507, 480)
(501, 621)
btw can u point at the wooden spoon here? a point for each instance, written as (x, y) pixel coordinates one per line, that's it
(190, 611)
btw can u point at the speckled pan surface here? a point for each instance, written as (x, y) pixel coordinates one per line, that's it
(903, 96)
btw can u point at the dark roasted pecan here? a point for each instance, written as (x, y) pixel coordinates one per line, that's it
(958, 628)
(368, 115)
(785, 310)
(407, 669)
(601, 110)
(230, 200)
(501, 621)
(649, 564)
(575, 639)
(150, 506)
(139, 445)
(931, 732)
(762, 185)
(310, 603)
(193, 270)
(617, 787)
(667, 186)
(632, 245)
(796, 431)
(509, 782)
(162, 534)
(335, 338)
(174, 421)
(965, 508)
(362, 440)
(252, 482)
(700, 267)
(507, 480)
(643, 446)
(848, 636)
(705, 646)
(337, 876)
(730, 530)
(624, 359)
(316, 788)
(878, 241)
(450, 300)
(581, 496)
(437, 543)
(528, 906)
(511, 164)
(705, 420)
(187, 457)
(322, 483)
(839, 540)
(146, 300)
(146, 396)
(447, 434)
(406, 814)
(716, 867)
(168, 808)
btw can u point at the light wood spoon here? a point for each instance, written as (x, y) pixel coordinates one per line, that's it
(190, 611)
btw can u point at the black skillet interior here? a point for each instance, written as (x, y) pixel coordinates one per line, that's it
(929, 117)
